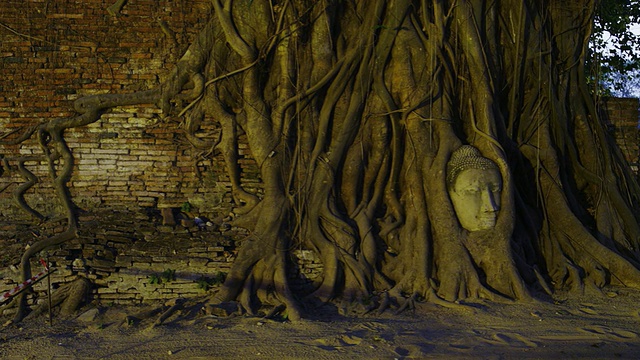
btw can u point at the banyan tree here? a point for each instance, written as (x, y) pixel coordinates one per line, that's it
(438, 150)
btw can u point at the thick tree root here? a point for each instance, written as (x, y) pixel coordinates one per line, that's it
(25, 265)
(114, 10)
(69, 297)
(176, 307)
(408, 304)
(135, 319)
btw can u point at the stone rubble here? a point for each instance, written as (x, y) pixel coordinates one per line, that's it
(133, 257)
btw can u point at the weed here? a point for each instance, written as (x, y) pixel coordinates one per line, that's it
(219, 278)
(205, 283)
(154, 279)
(168, 275)
(164, 277)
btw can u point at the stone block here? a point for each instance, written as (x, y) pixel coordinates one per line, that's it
(167, 216)
(198, 262)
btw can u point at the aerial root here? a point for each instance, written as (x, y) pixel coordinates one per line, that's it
(542, 281)
(245, 295)
(409, 304)
(390, 300)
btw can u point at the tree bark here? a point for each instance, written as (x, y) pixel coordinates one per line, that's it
(352, 110)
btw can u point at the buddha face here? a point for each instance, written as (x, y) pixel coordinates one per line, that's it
(475, 194)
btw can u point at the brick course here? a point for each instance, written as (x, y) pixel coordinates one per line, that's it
(53, 53)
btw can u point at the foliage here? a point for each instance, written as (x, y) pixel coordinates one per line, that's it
(205, 283)
(164, 277)
(154, 279)
(613, 63)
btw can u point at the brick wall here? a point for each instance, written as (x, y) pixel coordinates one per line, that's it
(53, 52)
(131, 257)
(622, 117)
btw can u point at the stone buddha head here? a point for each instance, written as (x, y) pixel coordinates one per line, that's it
(474, 184)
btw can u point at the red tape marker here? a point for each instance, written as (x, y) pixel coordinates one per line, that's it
(9, 294)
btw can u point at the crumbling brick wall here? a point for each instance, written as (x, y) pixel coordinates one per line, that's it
(622, 118)
(52, 53)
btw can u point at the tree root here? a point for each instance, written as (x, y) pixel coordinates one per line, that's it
(25, 264)
(177, 306)
(398, 77)
(393, 299)
(114, 10)
(408, 304)
(279, 309)
(133, 320)
(69, 297)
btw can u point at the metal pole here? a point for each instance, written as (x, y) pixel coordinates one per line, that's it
(49, 284)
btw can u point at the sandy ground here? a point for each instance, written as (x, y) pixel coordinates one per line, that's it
(595, 327)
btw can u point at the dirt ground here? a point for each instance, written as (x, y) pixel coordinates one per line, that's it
(598, 326)
(604, 326)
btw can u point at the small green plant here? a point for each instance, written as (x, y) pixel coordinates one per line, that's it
(166, 276)
(205, 283)
(219, 278)
(154, 279)
(186, 207)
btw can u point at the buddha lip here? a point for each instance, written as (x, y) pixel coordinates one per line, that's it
(487, 218)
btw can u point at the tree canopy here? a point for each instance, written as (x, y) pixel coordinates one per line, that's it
(614, 49)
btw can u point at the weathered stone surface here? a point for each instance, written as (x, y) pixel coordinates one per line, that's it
(198, 262)
(131, 272)
(89, 315)
(167, 216)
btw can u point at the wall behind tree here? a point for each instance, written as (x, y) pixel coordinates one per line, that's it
(52, 53)
(622, 117)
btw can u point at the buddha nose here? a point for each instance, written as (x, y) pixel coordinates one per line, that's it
(489, 203)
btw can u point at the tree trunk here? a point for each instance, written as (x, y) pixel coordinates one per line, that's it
(353, 109)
